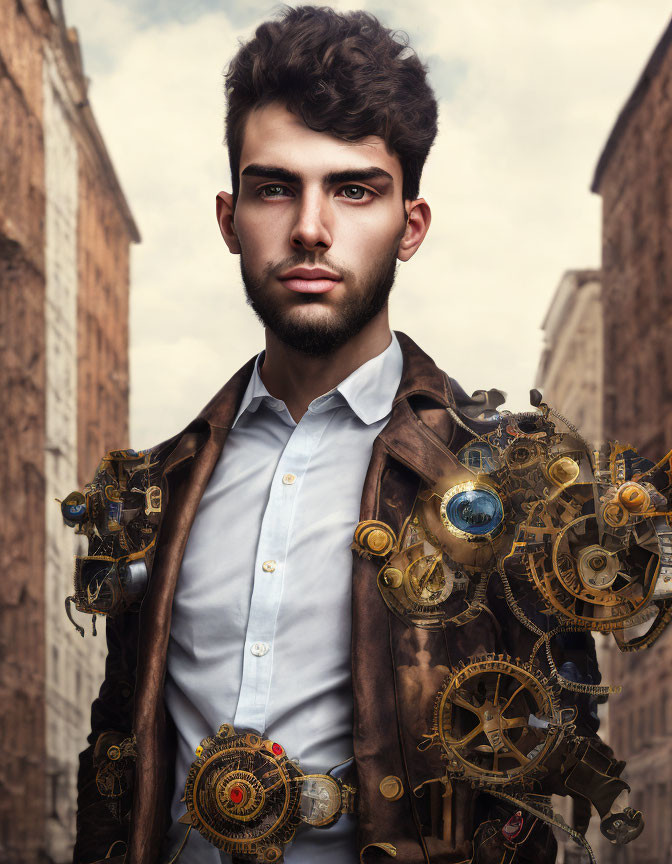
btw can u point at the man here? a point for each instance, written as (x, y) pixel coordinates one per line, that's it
(254, 615)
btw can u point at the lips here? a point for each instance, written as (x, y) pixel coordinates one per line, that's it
(310, 280)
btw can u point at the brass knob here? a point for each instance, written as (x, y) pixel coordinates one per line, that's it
(377, 540)
(563, 471)
(634, 497)
(391, 788)
(374, 538)
(392, 578)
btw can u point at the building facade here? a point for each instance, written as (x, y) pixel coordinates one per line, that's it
(634, 179)
(65, 232)
(607, 366)
(570, 370)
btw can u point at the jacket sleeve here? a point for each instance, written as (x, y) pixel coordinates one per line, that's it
(107, 766)
(105, 784)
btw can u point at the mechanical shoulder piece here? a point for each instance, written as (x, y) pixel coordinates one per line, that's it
(577, 535)
(119, 512)
(576, 540)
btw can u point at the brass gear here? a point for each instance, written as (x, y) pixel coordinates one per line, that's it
(571, 583)
(243, 794)
(497, 720)
(523, 453)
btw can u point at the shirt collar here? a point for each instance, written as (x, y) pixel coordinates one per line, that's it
(368, 391)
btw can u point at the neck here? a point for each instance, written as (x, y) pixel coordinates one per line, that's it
(298, 378)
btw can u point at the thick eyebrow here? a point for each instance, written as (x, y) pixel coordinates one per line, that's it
(271, 172)
(357, 174)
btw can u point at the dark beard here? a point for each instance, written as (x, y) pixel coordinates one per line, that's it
(320, 339)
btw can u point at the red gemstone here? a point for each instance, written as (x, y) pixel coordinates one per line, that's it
(277, 749)
(236, 794)
(514, 826)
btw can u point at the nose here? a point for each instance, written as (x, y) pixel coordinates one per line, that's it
(310, 230)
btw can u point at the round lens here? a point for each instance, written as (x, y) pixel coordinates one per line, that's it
(475, 511)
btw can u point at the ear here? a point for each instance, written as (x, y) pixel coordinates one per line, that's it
(225, 205)
(417, 225)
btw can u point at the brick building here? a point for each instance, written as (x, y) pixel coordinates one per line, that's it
(634, 179)
(65, 231)
(630, 317)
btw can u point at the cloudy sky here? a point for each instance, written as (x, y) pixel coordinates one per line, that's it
(528, 90)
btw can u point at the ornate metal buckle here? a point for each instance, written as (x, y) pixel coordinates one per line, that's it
(245, 795)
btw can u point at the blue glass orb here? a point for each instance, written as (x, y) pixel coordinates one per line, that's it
(475, 511)
(73, 509)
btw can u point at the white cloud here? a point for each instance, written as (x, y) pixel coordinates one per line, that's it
(529, 91)
(509, 176)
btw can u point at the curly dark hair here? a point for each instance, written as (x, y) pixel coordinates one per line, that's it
(342, 73)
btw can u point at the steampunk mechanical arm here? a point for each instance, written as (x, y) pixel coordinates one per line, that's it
(574, 540)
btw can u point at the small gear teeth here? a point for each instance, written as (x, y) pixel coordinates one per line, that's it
(480, 695)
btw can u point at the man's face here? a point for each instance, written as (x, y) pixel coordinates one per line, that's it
(318, 223)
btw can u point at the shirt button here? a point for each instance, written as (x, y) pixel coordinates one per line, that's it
(260, 648)
(268, 566)
(288, 479)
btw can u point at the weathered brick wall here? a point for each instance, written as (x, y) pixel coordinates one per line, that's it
(103, 321)
(636, 190)
(65, 230)
(22, 435)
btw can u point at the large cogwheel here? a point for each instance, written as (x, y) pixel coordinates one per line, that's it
(497, 721)
(243, 796)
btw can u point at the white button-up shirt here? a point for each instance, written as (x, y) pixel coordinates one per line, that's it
(261, 625)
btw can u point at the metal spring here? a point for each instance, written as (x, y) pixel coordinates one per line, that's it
(575, 686)
(647, 640)
(464, 426)
(572, 428)
(545, 638)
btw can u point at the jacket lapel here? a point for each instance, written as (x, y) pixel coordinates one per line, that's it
(414, 444)
(187, 472)
(408, 451)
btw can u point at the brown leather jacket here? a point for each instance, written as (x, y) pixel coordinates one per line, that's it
(396, 669)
